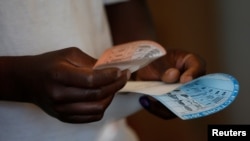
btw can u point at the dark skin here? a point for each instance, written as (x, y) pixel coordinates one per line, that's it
(66, 87)
(62, 83)
(131, 21)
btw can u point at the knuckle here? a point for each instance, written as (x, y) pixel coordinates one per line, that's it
(101, 108)
(55, 72)
(55, 75)
(98, 117)
(90, 80)
(55, 95)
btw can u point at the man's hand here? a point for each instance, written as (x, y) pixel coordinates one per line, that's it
(63, 84)
(176, 66)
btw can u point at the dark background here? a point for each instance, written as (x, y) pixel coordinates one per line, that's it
(218, 30)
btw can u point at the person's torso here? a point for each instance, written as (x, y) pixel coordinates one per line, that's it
(29, 27)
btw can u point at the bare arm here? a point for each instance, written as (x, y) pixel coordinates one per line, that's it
(130, 21)
(8, 81)
(62, 83)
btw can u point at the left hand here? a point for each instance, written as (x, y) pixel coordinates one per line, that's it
(175, 66)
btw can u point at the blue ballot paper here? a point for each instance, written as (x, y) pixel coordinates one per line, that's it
(200, 97)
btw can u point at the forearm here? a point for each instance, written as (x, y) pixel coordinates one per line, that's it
(130, 21)
(10, 85)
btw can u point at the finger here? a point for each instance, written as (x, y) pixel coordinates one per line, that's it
(62, 94)
(171, 75)
(84, 108)
(80, 118)
(117, 85)
(194, 67)
(76, 57)
(156, 108)
(188, 75)
(85, 77)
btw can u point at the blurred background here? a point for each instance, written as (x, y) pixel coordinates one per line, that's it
(218, 30)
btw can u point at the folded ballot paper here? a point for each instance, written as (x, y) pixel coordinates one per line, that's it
(131, 56)
(200, 97)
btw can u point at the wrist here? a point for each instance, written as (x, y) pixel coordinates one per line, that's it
(10, 76)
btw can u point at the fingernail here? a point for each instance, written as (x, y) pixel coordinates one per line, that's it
(145, 102)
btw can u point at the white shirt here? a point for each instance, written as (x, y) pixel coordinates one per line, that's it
(30, 27)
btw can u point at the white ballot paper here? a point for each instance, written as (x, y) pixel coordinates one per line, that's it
(131, 56)
(200, 97)
(149, 87)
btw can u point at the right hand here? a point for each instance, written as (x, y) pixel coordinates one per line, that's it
(65, 86)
